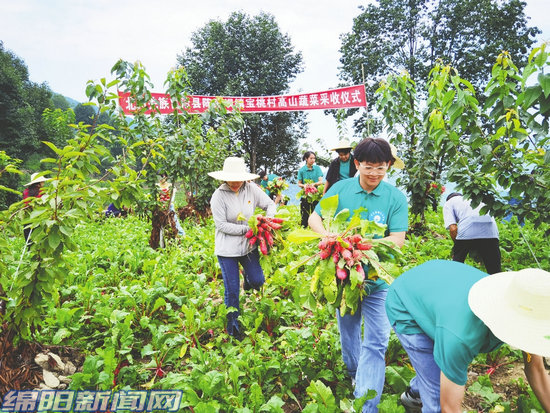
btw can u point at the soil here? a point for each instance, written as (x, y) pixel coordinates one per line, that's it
(504, 380)
(18, 371)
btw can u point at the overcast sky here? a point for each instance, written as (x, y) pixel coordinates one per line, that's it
(65, 43)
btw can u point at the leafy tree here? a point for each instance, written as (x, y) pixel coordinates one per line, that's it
(21, 105)
(397, 44)
(391, 36)
(249, 56)
(496, 152)
(84, 113)
(503, 146)
(60, 102)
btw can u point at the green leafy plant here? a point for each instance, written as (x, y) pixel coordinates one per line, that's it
(312, 193)
(339, 277)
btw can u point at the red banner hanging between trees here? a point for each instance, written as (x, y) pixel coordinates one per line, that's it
(345, 97)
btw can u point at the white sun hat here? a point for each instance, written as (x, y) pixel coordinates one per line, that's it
(515, 305)
(35, 179)
(398, 163)
(343, 144)
(233, 170)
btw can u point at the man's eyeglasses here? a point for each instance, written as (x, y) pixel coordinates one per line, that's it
(378, 170)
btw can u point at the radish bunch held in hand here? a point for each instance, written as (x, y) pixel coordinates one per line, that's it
(346, 253)
(263, 231)
(310, 191)
(353, 243)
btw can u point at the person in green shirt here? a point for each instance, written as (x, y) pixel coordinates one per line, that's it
(308, 172)
(341, 167)
(364, 335)
(446, 312)
(265, 179)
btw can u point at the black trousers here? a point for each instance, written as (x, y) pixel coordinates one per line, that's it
(485, 248)
(306, 208)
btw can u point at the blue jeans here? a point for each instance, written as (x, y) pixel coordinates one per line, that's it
(231, 280)
(365, 356)
(420, 349)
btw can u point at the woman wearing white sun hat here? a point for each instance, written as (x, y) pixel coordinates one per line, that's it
(237, 197)
(446, 312)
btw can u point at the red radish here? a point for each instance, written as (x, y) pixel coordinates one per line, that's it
(359, 269)
(347, 254)
(324, 254)
(363, 247)
(268, 238)
(341, 273)
(263, 245)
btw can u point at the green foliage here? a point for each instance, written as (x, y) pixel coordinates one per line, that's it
(134, 310)
(380, 257)
(389, 36)
(21, 105)
(495, 153)
(249, 56)
(500, 148)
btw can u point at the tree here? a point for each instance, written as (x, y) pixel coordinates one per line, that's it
(392, 36)
(249, 56)
(21, 105)
(60, 102)
(398, 43)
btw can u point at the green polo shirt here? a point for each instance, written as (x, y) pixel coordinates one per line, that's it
(344, 169)
(385, 205)
(313, 174)
(432, 298)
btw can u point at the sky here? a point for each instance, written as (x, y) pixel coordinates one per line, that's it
(65, 43)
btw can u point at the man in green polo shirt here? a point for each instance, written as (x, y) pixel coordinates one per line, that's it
(446, 312)
(364, 353)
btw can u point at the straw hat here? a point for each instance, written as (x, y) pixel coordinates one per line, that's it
(343, 144)
(516, 307)
(398, 164)
(35, 179)
(233, 170)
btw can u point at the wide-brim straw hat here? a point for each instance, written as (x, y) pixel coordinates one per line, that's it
(343, 144)
(398, 163)
(234, 169)
(35, 179)
(515, 305)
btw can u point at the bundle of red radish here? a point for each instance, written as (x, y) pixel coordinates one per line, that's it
(346, 253)
(263, 231)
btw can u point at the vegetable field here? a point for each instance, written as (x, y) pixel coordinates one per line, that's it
(154, 319)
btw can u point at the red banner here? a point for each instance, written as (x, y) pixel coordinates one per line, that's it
(345, 97)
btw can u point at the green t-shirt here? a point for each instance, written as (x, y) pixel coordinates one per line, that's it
(313, 174)
(432, 298)
(385, 205)
(344, 170)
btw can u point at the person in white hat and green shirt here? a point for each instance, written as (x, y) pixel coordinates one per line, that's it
(237, 197)
(446, 312)
(341, 167)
